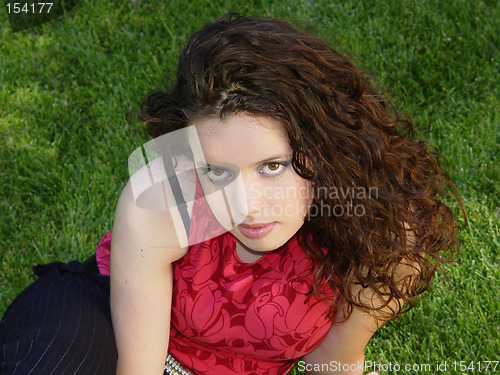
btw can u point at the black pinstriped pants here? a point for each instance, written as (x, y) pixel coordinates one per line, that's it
(59, 325)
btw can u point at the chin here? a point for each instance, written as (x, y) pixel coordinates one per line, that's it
(262, 244)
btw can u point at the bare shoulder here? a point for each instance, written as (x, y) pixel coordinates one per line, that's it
(145, 232)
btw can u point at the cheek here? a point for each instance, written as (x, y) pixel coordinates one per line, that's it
(294, 198)
(302, 191)
(305, 201)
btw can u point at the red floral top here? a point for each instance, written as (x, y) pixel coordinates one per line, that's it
(231, 317)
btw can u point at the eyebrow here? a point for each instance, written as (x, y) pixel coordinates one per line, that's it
(275, 158)
(278, 158)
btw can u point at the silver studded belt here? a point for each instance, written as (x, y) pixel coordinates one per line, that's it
(172, 367)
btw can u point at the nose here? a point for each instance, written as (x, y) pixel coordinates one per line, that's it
(244, 198)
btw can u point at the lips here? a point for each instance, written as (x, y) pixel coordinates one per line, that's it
(256, 231)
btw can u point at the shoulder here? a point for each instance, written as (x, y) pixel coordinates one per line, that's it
(143, 232)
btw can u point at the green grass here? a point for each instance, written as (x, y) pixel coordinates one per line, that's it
(67, 87)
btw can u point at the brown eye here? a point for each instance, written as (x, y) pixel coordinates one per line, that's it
(273, 166)
(218, 175)
(271, 169)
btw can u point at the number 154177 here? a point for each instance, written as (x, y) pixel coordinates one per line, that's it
(479, 366)
(31, 8)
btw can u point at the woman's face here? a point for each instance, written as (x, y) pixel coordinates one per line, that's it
(249, 159)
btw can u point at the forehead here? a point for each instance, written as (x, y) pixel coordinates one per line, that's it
(242, 139)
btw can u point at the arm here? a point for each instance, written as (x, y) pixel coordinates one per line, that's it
(345, 344)
(141, 285)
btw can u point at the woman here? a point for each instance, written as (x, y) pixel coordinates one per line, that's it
(315, 218)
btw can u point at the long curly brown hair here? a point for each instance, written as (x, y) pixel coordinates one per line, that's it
(380, 185)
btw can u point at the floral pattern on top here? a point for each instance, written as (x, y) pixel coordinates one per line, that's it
(231, 317)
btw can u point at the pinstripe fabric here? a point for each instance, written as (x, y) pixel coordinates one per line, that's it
(59, 325)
